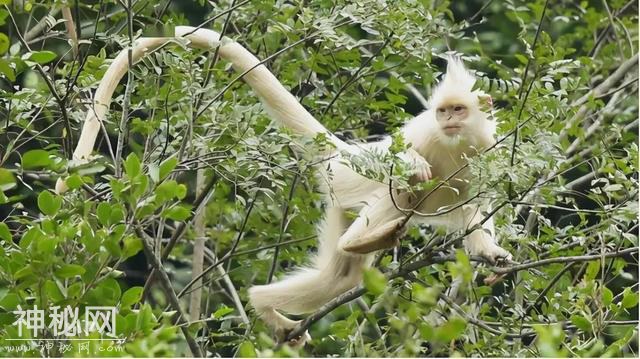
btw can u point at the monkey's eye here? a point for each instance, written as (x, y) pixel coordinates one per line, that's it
(459, 108)
(441, 110)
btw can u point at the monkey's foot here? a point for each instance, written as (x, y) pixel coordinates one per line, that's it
(493, 279)
(296, 342)
(493, 253)
(384, 237)
(300, 341)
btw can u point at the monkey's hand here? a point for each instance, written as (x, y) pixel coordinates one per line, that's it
(422, 169)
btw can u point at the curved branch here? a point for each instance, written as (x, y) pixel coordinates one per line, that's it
(411, 267)
(573, 259)
(71, 29)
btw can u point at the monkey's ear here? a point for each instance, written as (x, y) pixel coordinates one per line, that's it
(486, 102)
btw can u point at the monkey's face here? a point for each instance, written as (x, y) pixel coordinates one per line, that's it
(451, 118)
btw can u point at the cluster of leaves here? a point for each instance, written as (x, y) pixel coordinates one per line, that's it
(204, 157)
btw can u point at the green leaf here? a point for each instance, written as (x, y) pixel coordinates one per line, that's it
(167, 166)
(523, 59)
(374, 281)
(113, 246)
(4, 44)
(10, 301)
(4, 13)
(607, 296)
(47, 245)
(42, 57)
(153, 171)
(181, 191)
(247, 350)
(177, 213)
(132, 245)
(397, 143)
(23, 272)
(614, 349)
(450, 330)
(4, 232)
(110, 290)
(69, 270)
(581, 322)
(103, 212)
(132, 165)
(74, 181)
(170, 189)
(49, 203)
(629, 298)
(5, 67)
(52, 290)
(221, 312)
(75, 290)
(117, 215)
(145, 320)
(131, 296)
(592, 270)
(36, 159)
(427, 296)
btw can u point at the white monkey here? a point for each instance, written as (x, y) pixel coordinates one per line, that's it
(453, 129)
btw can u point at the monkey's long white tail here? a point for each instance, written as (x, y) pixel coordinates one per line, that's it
(306, 290)
(279, 102)
(102, 98)
(333, 273)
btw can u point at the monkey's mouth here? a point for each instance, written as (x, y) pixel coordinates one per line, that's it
(452, 129)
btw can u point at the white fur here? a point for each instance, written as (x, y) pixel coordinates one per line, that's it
(334, 271)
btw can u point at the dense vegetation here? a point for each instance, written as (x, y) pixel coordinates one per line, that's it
(188, 157)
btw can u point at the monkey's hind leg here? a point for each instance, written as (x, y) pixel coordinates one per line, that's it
(378, 226)
(307, 289)
(280, 324)
(384, 236)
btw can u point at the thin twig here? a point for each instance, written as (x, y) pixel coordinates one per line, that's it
(355, 74)
(229, 253)
(68, 139)
(41, 25)
(122, 129)
(71, 30)
(171, 295)
(195, 298)
(526, 95)
(283, 228)
(573, 259)
(613, 27)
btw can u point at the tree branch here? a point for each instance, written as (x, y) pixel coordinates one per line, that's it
(171, 295)
(71, 29)
(572, 259)
(407, 269)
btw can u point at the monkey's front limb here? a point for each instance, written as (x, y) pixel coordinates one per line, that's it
(481, 242)
(421, 168)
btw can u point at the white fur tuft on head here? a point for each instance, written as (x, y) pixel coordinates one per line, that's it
(457, 84)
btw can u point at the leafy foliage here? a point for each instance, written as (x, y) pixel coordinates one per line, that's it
(564, 180)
